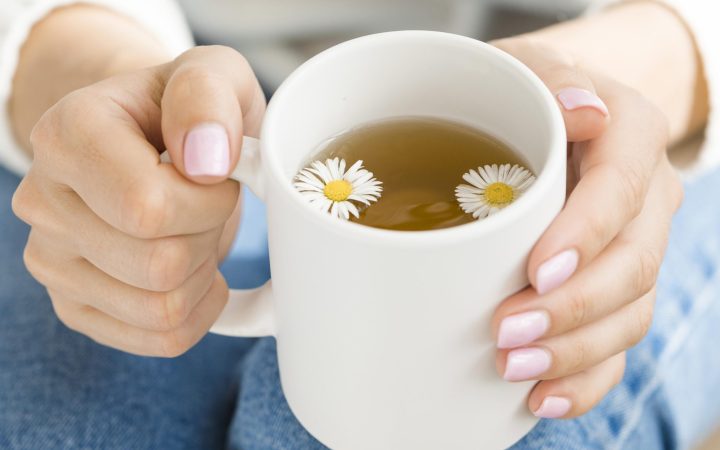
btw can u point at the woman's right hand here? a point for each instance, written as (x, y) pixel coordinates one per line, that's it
(127, 247)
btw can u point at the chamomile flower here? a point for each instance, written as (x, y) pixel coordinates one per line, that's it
(493, 188)
(330, 188)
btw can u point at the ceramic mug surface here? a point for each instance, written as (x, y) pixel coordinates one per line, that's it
(383, 336)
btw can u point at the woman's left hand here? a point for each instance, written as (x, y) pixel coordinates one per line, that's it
(593, 271)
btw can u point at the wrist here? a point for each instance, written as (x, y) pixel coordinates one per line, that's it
(645, 45)
(101, 43)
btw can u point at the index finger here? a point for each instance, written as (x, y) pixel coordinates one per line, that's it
(615, 171)
(118, 173)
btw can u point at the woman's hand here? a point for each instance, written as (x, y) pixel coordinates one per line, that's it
(128, 247)
(594, 270)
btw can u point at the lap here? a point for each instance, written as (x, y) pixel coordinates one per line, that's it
(666, 399)
(59, 389)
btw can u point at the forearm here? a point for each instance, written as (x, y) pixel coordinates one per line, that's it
(648, 47)
(73, 47)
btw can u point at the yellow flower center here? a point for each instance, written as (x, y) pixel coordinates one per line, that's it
(499, 194)
(338, 190)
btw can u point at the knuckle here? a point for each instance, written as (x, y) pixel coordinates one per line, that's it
(65, 313)
(173, 343)
(43, 133)
(631, 180)
(72, 115)
(220, 51)
(598, 230)
(169, 310)
(144, 210)
(70, 128)
(579, 307)
(22, 202)
(576, 359)
(198, 78)
(646, 269)
(643, 318)
(168, 264)
(229, 53)
(32, 259)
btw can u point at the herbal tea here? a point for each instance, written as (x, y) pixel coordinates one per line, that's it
(411, 174)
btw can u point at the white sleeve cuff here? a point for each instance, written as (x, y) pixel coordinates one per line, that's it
(162, 18)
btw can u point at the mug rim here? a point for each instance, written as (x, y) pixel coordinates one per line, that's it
(544, 179)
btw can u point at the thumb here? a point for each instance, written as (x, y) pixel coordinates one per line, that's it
(585, 114)
(210, 98)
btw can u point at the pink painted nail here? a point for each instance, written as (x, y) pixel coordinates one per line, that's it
(207, 151)
(575, 98)
(556, 270)
(522, 329)
(526, 364)
(553, 407)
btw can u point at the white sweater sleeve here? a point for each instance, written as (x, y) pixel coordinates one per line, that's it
(162, 18)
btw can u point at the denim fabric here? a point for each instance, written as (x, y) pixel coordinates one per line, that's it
(60, 390)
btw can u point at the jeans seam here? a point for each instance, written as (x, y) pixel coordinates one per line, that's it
(704, 300)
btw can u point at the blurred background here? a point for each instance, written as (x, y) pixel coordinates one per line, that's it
(276, 38)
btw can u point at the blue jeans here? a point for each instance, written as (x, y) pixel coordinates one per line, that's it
(59, 389)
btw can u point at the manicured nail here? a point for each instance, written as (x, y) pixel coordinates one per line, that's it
(207, 151)
(522, 329)
(575, 98)
(553, 407)
(526, 364)
(556, 270)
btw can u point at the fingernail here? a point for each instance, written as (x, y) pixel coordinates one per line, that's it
(556, 270)
(553, 407)
(207, 151)
(575, 98)
(522, 329)
(526, 364)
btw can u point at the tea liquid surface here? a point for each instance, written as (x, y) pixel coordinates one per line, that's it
(420, 162)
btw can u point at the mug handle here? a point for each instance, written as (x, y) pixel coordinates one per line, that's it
(248, 312)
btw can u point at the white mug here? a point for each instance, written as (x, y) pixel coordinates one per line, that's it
(383, 337)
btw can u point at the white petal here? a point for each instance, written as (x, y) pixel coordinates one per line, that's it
(341, 169)
(503, 171)
(334, 209)
(324, 204)
(482, 212)
(331, 165)
(305, 187)
(367, 176)
(494, 210)
(343, 211)
(323, 171)
(359, 198)
(474, 179)
(464, 188)
(525, 184)
(353, 209)
(310, 179)
(357, 175)
(352, 171)
(472, 207)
